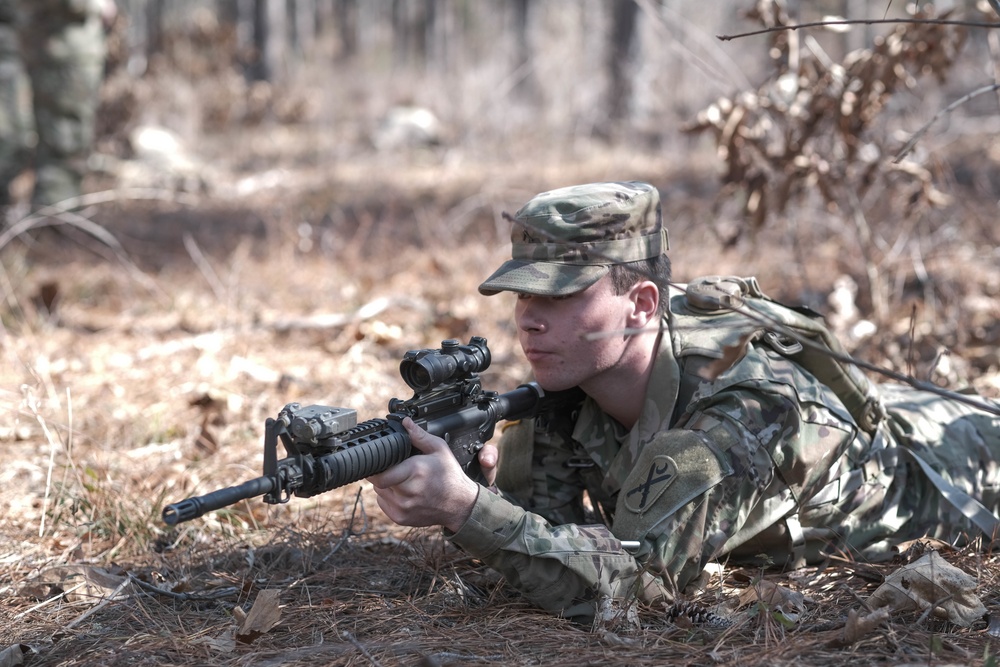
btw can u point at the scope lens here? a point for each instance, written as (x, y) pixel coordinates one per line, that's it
(427, 371)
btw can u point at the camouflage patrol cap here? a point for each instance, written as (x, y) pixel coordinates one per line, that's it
(563, 241)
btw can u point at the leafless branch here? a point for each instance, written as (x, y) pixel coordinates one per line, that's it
(825, 24)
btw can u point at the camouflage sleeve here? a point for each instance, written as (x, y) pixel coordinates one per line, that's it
(565, 569)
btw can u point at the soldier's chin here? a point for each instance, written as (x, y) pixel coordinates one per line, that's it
(554, 384)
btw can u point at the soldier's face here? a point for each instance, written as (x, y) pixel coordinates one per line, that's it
(553, 335)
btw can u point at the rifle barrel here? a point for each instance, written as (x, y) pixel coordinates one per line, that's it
(192, 508)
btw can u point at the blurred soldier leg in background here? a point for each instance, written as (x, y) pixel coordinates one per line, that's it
(64, 49)
(62, 43)
(14, 115)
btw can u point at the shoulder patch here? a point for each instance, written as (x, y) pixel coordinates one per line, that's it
(672, 469)
(661, 473)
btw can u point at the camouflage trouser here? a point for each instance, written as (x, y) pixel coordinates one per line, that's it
(60, 45)
(958, 441)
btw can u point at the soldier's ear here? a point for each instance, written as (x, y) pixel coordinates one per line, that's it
(645, 299)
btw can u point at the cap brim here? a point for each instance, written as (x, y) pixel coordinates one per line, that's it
(542, 278)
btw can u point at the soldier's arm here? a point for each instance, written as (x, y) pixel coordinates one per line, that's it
(562, 568)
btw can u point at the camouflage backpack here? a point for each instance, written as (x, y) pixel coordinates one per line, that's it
(717, 316)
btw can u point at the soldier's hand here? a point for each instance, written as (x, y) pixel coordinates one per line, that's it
(426, 490)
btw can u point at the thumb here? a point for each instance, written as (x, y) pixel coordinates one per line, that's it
(421, 439)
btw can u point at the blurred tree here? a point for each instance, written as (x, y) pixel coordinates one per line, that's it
(526, 83)
(346, 17)
(269, 32)
(303, 24)
(412, 29)
(623, 20)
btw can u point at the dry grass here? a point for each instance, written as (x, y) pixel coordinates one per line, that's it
(126, 394)
(128, 384)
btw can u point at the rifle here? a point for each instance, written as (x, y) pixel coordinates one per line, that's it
(326, 447)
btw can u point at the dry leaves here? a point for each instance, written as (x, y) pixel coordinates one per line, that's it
(787, 605)
(263, 616)
(809, 130)
(931, 583)
(730, 355)
(77, 583)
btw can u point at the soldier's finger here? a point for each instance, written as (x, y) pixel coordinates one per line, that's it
(488, 457)
(421, 439)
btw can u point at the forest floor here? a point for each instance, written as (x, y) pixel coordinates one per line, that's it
(146, 340)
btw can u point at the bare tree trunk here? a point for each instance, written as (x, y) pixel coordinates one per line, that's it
(346, 15)
(412, 28)
(623, 19)
(154, 27)
(269, 39)
(303, 25)
(239, 14)
(526, 84)
(859, 36)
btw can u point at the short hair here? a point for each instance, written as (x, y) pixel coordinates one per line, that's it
(657, 269)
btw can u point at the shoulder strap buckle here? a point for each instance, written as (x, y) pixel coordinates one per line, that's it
(785, 345)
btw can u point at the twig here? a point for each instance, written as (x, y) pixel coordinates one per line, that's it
(932, 607)
(33, 407)
(951, 107)
(349, 637)
(62, 214)
(183, 597)
(349, 531)
(823, 24)
(104, 601)
(52, 599)
(199, 259)
(857, 598)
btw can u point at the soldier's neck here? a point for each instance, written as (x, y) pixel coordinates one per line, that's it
(621, 391)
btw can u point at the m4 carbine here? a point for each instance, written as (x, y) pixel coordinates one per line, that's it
(327, 448)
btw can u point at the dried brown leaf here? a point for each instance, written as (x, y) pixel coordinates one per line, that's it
(922, 545)
(930, 582)
(84, 582)
(858, 626)
(730, 355)
(775, 597)
(263, 616)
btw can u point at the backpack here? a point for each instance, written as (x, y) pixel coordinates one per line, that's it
(715, 317)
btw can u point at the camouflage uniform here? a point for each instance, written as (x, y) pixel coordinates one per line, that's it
(760, 460)
(61, 46)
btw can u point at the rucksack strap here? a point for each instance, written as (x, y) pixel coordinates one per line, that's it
(973, 510)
